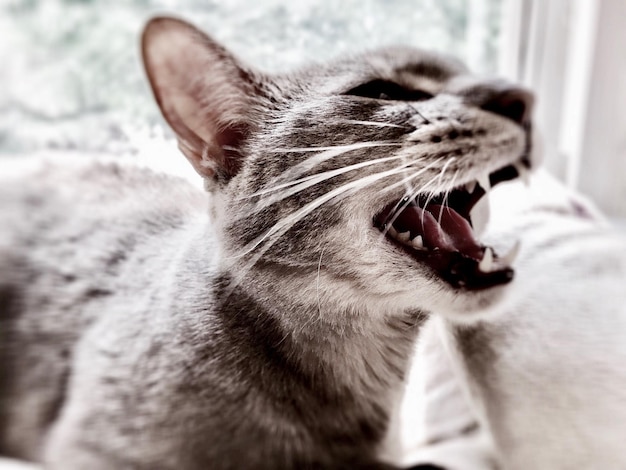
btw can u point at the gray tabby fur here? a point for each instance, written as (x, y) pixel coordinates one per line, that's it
(148, 325)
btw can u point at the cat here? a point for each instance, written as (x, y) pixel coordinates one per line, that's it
(268, 322)
(544, 373)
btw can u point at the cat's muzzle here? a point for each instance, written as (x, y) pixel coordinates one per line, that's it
(441, 232)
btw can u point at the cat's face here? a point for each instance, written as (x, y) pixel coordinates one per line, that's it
(370, 168)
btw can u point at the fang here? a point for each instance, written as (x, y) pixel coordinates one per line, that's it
(484, 182)
(486, 264)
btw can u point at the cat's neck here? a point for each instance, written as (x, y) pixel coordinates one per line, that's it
(358, 346)
(308, 343)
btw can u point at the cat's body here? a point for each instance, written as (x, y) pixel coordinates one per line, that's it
(123, 220)
(146, 325)
(165, 369)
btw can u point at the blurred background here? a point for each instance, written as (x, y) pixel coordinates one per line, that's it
(71, 78)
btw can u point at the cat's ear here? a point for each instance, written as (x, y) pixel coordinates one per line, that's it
(205, 94)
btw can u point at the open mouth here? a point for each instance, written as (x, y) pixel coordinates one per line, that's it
(440, 231)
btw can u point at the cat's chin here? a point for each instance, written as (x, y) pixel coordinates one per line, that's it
(466, 307)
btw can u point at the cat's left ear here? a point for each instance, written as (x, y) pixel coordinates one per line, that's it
(210, 100)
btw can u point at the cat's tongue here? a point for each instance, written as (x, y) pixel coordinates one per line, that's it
(441, 227)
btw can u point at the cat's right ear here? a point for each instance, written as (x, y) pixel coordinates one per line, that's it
(207, 97)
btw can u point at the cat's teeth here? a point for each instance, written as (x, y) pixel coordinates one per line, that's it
(479, 215)
(418, 243)
(523, 172)
(471, 186)
(404, 236)
(511, 256)
(486, 264)
(484, 182)
(392, 232)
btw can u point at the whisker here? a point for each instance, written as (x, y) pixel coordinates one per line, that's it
(398, 208)
(313, 180)
(426, 121)
(348, 147)
(431, 193)
(447, 193)
(415, 192)
(282, 226)
(371, 123)
(325, 175)
(445, 168)
(294, 217)
(408, 197)
(439, 184)
(272, 235)
(412, 176)
(325, 153)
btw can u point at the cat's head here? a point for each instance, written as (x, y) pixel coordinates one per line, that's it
(364, 170)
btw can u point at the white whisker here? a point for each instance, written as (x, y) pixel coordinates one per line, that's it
(324, 175)
(316, 179)
(444, 169)
(439, 184)
(371, 123)
(342, 148)
(412, 176)
(412, 193)
(398, 208)
(325, 153)
(282, 226)
(431, 193)
(447, 193)
(287, 222)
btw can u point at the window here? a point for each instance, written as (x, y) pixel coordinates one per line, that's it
(72, 78)
(571, 53)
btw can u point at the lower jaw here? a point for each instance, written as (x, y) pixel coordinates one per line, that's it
(458, 270)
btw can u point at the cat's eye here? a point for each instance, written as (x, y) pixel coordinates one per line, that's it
(386, 90)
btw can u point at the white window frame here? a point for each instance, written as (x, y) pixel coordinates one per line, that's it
(572, 53)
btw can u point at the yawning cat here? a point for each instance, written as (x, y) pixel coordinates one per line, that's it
(269, 323)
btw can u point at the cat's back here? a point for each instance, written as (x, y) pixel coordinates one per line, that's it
(77, 238)
(49, 199)
(81, 221)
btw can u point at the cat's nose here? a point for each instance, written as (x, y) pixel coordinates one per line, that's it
(514, 103)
